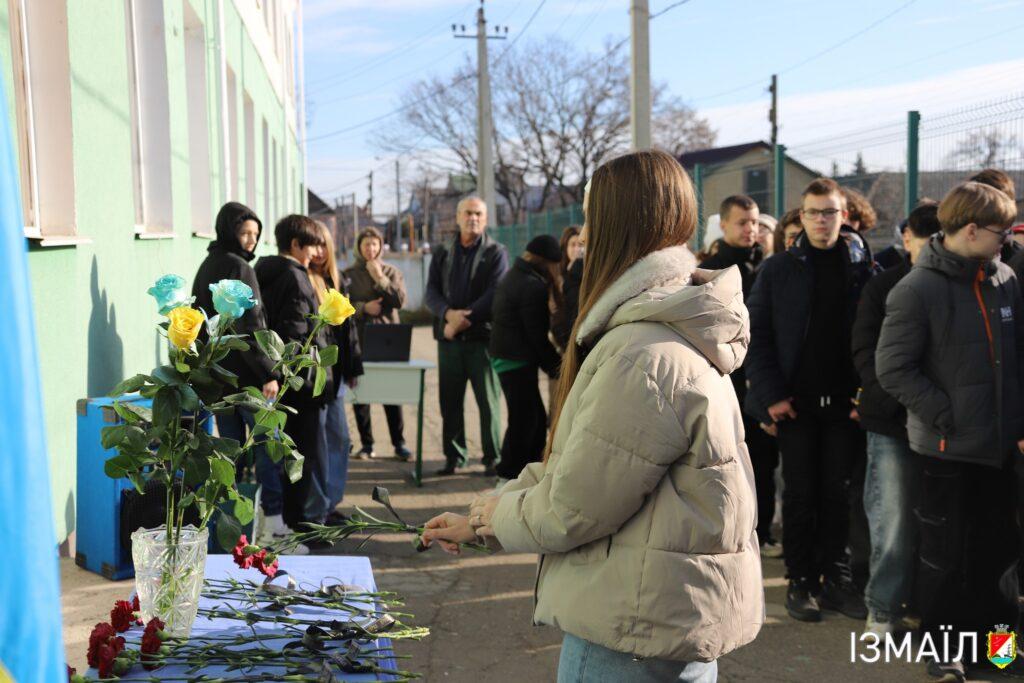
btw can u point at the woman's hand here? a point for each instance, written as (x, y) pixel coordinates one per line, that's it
(480, 512)
(449, 530)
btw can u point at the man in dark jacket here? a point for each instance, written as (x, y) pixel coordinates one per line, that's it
(460, 291)
(802, 378)
(893, 471)
(739, 247)
(288, 299)
(519, 346)
(950, 351)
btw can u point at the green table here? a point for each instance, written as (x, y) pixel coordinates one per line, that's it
(396, 384)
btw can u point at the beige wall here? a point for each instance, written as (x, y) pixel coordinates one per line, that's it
(721, 181)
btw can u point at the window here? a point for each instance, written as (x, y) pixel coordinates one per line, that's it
(198, 122)
(151, 118)
(42, 96)
(274, 195)
(755, 186)
(267, 217)
(231, 96)
(250, 151)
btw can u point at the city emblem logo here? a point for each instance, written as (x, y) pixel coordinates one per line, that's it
(1002, 646)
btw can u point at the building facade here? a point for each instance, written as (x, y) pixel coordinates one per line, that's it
(135, 120)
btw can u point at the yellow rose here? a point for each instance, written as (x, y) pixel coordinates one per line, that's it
(185, 325)
(336, 307)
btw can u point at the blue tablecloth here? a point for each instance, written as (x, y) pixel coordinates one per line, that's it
(308, 571)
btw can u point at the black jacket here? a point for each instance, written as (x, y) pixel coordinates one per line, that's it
(346, 336)
(748, 261)
(521, 318)
(780, 310)
(879, 411)
(488, 266)
(951, 351)
(1016, 263)
(563, 320)
(890, 257)
(226, 260)
(288, 299)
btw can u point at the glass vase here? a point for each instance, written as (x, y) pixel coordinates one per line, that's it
(169, 576)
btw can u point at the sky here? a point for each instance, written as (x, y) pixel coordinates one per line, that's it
(843, 67)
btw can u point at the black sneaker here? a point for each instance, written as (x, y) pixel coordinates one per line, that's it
(490, 470)
(800, 604)
(843, 597)
(335, 518)
(446, 471)
(403, 453)
(946, 672)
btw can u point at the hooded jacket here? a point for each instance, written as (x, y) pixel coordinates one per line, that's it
(522, 318)
(288, 301)
(226, 260)
(644, 515)
(951, 350)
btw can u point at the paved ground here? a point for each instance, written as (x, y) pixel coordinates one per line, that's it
(479, 608)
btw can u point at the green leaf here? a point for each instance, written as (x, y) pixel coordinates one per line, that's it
(182, 367)
(166, 374)
(137, 481)
(189, 398)
(270, 344)
(229, 448)
(130, 385)
(225, 375)
(197, 471)
(119, 466)
(143, 413)
(111, 437)
(321, 381)
(125, 414)
(329, 356)
(244, 510)
(277, 450)
(223, 471)
(233, 343)
(295, 383)
(166, 408)
(246, 400)
(228, 530)
(293, 467)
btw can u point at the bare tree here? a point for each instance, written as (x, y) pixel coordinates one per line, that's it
(985, 148)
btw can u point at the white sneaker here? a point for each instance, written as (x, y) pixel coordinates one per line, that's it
(879, 628)
(274, 530)
(771, 549)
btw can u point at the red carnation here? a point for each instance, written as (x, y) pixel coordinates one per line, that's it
(104, 646)
(151, 643)
(101, 633)
(122, 616)
(244, 553)
(266, 563)
(136, 608)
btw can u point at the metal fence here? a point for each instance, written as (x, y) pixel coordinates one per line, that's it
(552, 222)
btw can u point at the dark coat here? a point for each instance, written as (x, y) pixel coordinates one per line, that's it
(951, 351)
(226, 260)
(288, 299)
(879, 411)
(487, 268)
(565, 317)
(346, 336)
(521, 318)
(780, 311)
(891, 257)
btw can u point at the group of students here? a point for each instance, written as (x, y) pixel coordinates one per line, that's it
(892, 386)
(288, 288)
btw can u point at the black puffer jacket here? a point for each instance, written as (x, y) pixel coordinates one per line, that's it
(521, 318)
(226, 260)
(565, 317)
(780, 311)
(489, 264)
(879, 411)
(288, 299)
(951, 352)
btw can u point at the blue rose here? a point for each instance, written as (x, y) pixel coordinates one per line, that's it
(169, 292)
(232, 298)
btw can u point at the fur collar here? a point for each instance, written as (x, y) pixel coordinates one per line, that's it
(674, 264)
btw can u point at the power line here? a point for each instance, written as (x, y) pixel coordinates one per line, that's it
(669, 8)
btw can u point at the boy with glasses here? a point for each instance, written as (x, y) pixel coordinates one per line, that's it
(950, 352)
(802, 379)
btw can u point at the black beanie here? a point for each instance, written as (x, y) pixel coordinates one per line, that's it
(546, 247)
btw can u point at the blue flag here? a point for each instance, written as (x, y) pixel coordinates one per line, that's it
(31, 639)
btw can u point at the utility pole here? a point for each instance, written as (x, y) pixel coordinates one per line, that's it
(640, 75)
(369, 203)
(398, 208)
(355, 219)
(484, 123)
(773, 114)
(426, 212)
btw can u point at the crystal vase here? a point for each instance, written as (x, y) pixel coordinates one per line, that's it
(169, 576)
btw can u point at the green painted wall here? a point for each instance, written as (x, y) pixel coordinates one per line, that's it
(95, 321)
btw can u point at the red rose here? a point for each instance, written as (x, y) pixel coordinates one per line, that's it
(266, 563)
(243, 553)
(122, 616)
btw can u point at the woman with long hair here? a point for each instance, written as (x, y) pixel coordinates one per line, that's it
(643, 511)
(329, 488)
(566, 306)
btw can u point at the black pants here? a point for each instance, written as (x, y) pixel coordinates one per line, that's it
(967, 573)
(527, 429)
(764, 458)
(396, 424)
(304, 429)
(817, 449)
(860, 535)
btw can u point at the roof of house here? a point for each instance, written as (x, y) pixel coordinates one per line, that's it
(316, 204)
(716, 156)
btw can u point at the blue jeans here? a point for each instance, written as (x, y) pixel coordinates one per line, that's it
(891, 486)
(235, 426)
(584, 662)
(336, 445)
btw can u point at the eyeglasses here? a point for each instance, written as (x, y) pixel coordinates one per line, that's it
(1003, 234)
(814, 213)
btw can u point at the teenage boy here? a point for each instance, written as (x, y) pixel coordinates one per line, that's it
(893, 471)
(802, 379)
(950, 352)
(289, 300)
(739, 247)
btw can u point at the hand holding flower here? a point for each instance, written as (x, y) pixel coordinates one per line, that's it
(449, 530)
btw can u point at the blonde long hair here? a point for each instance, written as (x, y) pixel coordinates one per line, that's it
(319, 275)
(638, 203)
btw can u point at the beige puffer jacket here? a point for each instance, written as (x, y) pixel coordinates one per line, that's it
(645, 514)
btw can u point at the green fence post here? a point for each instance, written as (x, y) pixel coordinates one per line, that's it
(698, 183)
(913, 138)
(780, 180)
(547, 220)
